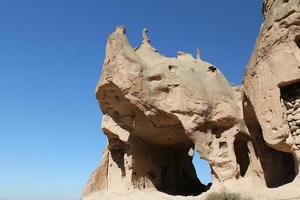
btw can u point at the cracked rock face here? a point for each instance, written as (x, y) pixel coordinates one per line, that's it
(159, 112)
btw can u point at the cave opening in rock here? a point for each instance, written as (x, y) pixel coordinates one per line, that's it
(170, 169)
(148, 152)
(290, 97)
(202, 169)
(278, 167)
(242, 152)
(297, 40)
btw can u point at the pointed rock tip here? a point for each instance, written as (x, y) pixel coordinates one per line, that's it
(198, 57)
(145, 36)
(146, 41)
(120, 29)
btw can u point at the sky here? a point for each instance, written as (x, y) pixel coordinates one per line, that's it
(51, 54)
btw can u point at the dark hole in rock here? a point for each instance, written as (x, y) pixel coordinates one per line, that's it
(116, 115)
(203, 170)
(297, 40)
(154, 160)
(212, 68)
(290, 98)
(222, 145)
(218, 136)
(172, 67)
(164, 89)
(285, 1)
(152, 174)
(169, 168)
(118, 156)
(242, 152)
(155, 78)
(278, 167)
(173, 85)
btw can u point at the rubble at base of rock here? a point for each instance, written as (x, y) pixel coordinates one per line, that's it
(291, 99)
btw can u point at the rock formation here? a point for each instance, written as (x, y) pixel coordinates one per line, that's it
(159, 111)
(271, 92)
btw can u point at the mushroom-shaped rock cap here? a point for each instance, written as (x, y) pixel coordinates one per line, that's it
(165, 92)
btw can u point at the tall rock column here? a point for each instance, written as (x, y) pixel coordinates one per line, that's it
(272, 92)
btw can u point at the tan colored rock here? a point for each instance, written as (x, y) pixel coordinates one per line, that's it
(156, 109)
(159, 111)
(98, 180)
(271, 86)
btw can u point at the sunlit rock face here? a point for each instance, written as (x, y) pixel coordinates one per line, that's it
(159, 112)
(271, 92)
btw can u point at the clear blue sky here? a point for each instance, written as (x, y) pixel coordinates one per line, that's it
(51, 53)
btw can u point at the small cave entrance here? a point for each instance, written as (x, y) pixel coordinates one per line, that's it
(241, 151)
(203, 170)
(180, 178)
(157, 155)
(170, 169)
(290, 100)
(279, 168)
(297, 41)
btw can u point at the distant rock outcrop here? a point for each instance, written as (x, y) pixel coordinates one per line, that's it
(158, 111)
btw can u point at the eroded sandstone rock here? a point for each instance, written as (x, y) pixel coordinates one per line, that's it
(159, 112)
(271, 85)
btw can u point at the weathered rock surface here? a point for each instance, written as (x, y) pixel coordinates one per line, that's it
(271, 92)
(159, 111)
